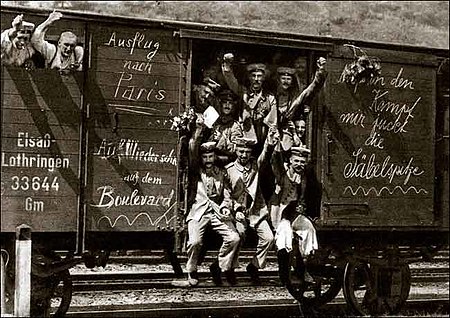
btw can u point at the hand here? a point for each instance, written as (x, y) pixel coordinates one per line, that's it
(321, 62)
(240, 216)
(54, 16)
(273, 136)
(225, 214)
(291, 125)
(200, 121)
(17, 22)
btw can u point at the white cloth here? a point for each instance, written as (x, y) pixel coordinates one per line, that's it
(305, 231)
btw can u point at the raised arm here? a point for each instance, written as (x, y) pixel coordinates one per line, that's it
(194, 145)
(38, 38)
(273, 137)
(310, 92)
(229, 76)
(16, 24)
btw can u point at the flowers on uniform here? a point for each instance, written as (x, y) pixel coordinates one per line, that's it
(184, 120)
(362, 69)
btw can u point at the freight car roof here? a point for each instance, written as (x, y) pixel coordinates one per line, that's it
(326, 41)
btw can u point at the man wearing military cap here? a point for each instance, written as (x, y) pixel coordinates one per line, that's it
(209, 205)
(226, 129)
(248, 203)
(288, 212)
(259, 108)
(204, 94)
(292, 104)
(299, 104)
(16, 48)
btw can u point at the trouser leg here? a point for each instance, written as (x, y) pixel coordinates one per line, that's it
(230, 242)
(241, 228)
(196, 230)
(265, 242)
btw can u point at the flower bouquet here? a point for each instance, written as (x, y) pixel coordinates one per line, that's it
(183, 122)
(362, 69)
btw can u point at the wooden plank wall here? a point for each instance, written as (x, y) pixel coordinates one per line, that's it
(373, 128)
(134, 92)
(40, 148)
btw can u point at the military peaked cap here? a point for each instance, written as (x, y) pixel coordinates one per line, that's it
(244, 142)
(283, 70)
(227, 94)
(209, 146)
(256, 67)
(300, 151)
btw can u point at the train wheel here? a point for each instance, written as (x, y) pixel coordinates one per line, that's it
(322, 291)
(62, 297)
(51, 295)
(376, 290)
(326, 285)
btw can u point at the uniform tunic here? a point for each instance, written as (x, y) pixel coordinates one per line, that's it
(224, 133)
(210, 194)
(259, 110)
(291, 106)
(288, 208)
(247, 197)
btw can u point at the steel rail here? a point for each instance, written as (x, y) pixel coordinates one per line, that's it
(262, 308)
(146, 280)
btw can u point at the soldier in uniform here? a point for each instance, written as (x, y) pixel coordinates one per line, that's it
(204, 95)
(16, 48)
(67, 55)
(299, 106)
(293, 105)
(210, 203)
(290, 215)
(259, 107)
(294, 134)
(249, 205)
(226, 129)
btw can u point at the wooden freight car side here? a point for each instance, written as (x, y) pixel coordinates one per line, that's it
(40, 148)
(134, 89)
(378, 141)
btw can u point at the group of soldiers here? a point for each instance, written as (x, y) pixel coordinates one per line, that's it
(247, 170)
(24, 45)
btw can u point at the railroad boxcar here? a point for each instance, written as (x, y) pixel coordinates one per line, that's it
(91, 162)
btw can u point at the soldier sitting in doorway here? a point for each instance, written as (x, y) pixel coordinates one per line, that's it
(288, 212)
(210, 202)
(249, 206)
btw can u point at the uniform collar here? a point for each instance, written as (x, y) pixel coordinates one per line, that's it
(241, 168)
(293, 176)
(213, 172)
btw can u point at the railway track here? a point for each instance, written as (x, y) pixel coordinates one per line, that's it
(159, 256)
(147, 280)
(157, 284)
(261, 308)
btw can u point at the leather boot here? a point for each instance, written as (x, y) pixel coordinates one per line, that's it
(252, 270)
(215, 273)
(283, 266)
(300, 270)
(230, 276)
